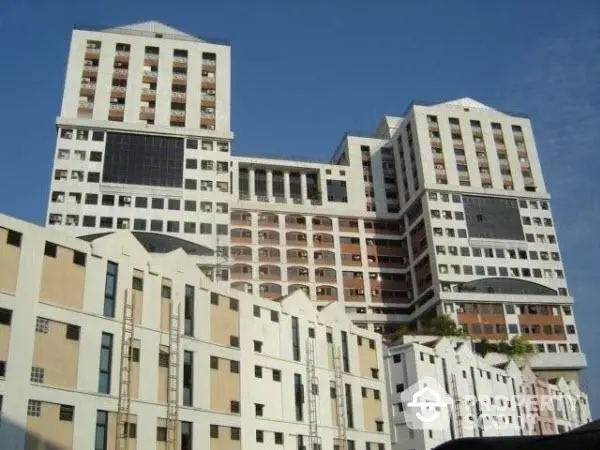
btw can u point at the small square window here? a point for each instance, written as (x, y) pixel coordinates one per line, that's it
(278, 438)
(161, 434)
(234, 366)
(72, 332)
(66, 413)
(276, 375)
(234, 341)
(50, 249)
(34, 408)
(258, 346)
(234, 407)
(214, 362)
(37, 375)
(79, 258)
(235, 434)
(214, 431)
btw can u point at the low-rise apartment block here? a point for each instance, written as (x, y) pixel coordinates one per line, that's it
(487, 396)
(105, 344)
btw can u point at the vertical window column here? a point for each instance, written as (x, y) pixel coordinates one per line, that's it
(345, 359)
(188, 312)
(349, 407)
(188, 378)
(106, 349)
(299, 397)
(101, 430)
(295, 339)
(110, 289)
(186, 435)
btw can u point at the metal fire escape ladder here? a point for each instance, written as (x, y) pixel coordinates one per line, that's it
(314, 441)
(340, 407)
(457, 412)
(124, 404)
(173, 377)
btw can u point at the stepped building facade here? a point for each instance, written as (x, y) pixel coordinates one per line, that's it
(442, 210)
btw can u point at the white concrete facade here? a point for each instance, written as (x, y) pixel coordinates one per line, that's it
(253, 320)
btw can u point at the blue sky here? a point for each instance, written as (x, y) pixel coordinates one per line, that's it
(306, 72)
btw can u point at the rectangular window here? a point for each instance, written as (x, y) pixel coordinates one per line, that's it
(345, 359)
(299, 397)
(188, 377)
(105, 363)
(214, 431)
(186, 435)
(188, 311)
(66, 413)
(101, 430)
(110, 289)
(295, 339)
(349, 410)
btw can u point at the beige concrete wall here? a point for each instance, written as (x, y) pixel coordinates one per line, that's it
(367, 359)
(48, 432)
(62, 280)
(162, 422)
(9, 263)
(371, 411)
(224, 387)
(57, 355)
(224, 442)
(4, 342)
(225, 322)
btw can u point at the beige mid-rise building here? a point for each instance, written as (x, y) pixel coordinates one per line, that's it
(102, 338)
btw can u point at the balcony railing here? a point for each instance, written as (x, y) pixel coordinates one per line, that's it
(208, 80)
(149, 91)
(123, 53)
(178, 94)
(180, 59)
(180, 76)
(147, 109)
(150, 55)
(119, 89)
(209, 62)
(86, 105)
(209, 97)
(177, 113)
(117, 107)
(151, 74)
(120, 71)
(206, 115)
(91, 86)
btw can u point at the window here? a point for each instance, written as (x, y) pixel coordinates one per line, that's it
(174, 204)
(295, 339)
(256, 310)
(257, 372)
(349, 408)
(156, 225)
(161, 434)
(234, 341)
(101, 430)
(274, 316)
(72, 332)
(110, 289)
(278, 438)
(234, 407)
(37, 375)
(34, 408)
(66, 413)
(190, 184)
(214, 431)
(235, 434)
(222, 229)
(186, 435)
(258, 346)
(259, 409)
(105, 363)
(397, 358)
(345, 358)
(299, 396)
(260, 436)
(234, 304)
(276, 375)
(188, 378)
(234, 366)
(93, 177)
(172, 226)
(141, 202)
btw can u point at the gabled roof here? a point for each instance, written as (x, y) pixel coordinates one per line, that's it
(153, 26)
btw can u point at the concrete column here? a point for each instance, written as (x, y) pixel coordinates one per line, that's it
(251, 183)
(269, 183)
(303, 192)
(286, 184)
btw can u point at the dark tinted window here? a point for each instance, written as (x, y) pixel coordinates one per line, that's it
(493, 218)
(145, 160)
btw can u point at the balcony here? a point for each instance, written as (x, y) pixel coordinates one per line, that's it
(150, 77)
(180, 61)
(433, 126)
(326, 293)
(439, 159)
(207, 115)
(207, 123)
(529, 182)
(122, 56)
(120, 74)
(351, 259)
(460, 158)
(440, 172)
(436, 142)
(480, 145)
(90, 71)
(146, 113)
(177, 113)
(92, 53)
(118, 92)
(208, 82)
(463, 176)
(477, 132)
(270, 273)
(325, 276)
(297, 274)
(455, 127)
(497, 132)
(209, 65)
(522, 152)
(148, 95)
(500, 146)
(269, 255)
(178, 97)
(458, 142)
(117, 107)
(525, 164)
(150, 59)
(88, 88)
(507, 178)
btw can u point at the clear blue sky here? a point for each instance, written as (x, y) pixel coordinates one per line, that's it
(305, 72)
